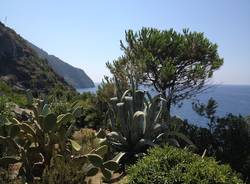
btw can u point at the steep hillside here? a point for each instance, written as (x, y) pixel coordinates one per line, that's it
(21, 67)
(74, 76)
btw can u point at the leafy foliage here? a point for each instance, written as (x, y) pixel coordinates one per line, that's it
(228, 141)
(176, 64)
(64, 171)
(9, 94)
(136, 124)
(207, 110)
(172, 165)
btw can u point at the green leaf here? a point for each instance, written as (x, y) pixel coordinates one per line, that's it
(28, 129)
(118, 157)
(15, 121)
(75, 145)
(64, 118)
(77, 113)
(45, 110)
(138, 118)
(106, 173)
(111, 165)
(95, 159)
(50, 122)
(102, 150)
(80, 160)
(93, 171)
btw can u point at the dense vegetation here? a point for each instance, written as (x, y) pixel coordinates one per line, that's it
(61, 136)
(177, 65)
(171, 165)
(74, 76)
(22, 69)
(228, 142)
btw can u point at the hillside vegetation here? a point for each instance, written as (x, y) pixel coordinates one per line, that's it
(49, 134)
(72, 75)
(22, 69)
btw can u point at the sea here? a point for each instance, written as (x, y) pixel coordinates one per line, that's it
(233, 99)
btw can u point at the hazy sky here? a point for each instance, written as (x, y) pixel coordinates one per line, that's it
(86, 34)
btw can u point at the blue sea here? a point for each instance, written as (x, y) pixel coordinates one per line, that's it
(233, 99)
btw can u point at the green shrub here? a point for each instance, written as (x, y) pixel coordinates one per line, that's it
(64, 172)
(172, 165)
(228, 142)
(12, 95)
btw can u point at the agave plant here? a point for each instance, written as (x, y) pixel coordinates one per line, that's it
(137, 123)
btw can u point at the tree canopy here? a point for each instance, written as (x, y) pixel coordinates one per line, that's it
(178, 65)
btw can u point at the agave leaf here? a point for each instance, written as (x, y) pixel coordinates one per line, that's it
(175, 134)
(138, 121)
(122, 117)
(115, 99)
(118, 146)
(77, 113)
(144, 143)
(118, 157)
(113, 102)
(173, 142)
(129, 106)
(114, 136)
(125, 94)
(139, 100)
(45, 110)
(181, 136)
(75, 145)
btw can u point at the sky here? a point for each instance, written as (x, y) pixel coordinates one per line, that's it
(87, 34)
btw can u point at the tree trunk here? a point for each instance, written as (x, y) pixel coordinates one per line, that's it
(167, 108)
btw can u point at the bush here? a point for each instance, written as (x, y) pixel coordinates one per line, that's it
(232, 134)
(172, 165)
(63, 172)
(228, 142)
